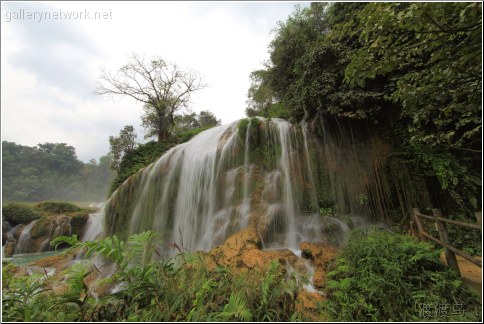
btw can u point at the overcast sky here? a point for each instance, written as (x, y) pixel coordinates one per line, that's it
(50, 66)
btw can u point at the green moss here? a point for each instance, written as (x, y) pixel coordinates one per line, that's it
(16, 213)
(41, 228)
(242, 128)
(57, 207)
(79, 219)
(255, 122)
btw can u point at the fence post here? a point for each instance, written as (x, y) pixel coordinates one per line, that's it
(479, 219)
(419, 223)
(444, 236)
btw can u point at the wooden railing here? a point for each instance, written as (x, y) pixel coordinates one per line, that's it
(440, 221)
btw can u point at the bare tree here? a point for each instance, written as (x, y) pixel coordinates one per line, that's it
(163, 88)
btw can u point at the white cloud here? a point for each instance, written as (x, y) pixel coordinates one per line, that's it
(49, 68)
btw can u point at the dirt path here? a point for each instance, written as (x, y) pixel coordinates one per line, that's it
(471, 274)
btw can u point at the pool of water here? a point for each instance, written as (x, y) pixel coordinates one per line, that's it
(25, 258)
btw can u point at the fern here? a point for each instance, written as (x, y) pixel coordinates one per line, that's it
(235, 309)
(198, 303)
(179, 289)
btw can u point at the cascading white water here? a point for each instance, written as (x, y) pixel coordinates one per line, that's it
(24, 238)
(308, 164)
(61, 225)
(195, 204)
(94, 226)
(200, 192)
(285, 164)
(245, 208)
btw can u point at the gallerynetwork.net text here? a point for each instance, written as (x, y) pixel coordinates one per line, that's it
(40, 16)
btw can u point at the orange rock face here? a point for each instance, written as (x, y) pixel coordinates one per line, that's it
(241, 251)
(320, 255)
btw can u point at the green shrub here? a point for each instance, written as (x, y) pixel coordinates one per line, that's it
(185, 136)
(58, 207)
(16, 213)
(279, 110)
(179, 289)
(469, 240)
(381, 276)
(242, 127)
(183, 288)
(138, 159)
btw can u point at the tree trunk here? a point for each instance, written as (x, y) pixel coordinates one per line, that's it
(163, 127)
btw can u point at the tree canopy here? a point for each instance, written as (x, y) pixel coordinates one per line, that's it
(163, 88)
(121, 145)
(412, 70)
(52, 171)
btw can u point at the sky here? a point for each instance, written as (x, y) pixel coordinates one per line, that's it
(53, 52)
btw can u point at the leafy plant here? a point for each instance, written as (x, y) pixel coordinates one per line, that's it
(236, 309)
(381, 276)
(24, 298)
(327, 211)
(178, 289)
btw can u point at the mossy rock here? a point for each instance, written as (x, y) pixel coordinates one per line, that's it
(58, 207)
(41, 228)
(16, 213)
(47, 229)
(78, 222)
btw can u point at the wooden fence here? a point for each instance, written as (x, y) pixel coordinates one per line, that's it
(440, 224)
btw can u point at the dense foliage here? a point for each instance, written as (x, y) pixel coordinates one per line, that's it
(179, 289)
(381, 276)
(122, 144)
(185, 122)
(52, 171)
(410, 71)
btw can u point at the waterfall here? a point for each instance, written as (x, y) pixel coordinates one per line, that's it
(285, 165)
(293, 183)
(307, 159)
(60, 225)
(196, 199)
(94, 225)
(24, 239)
(245, 208)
